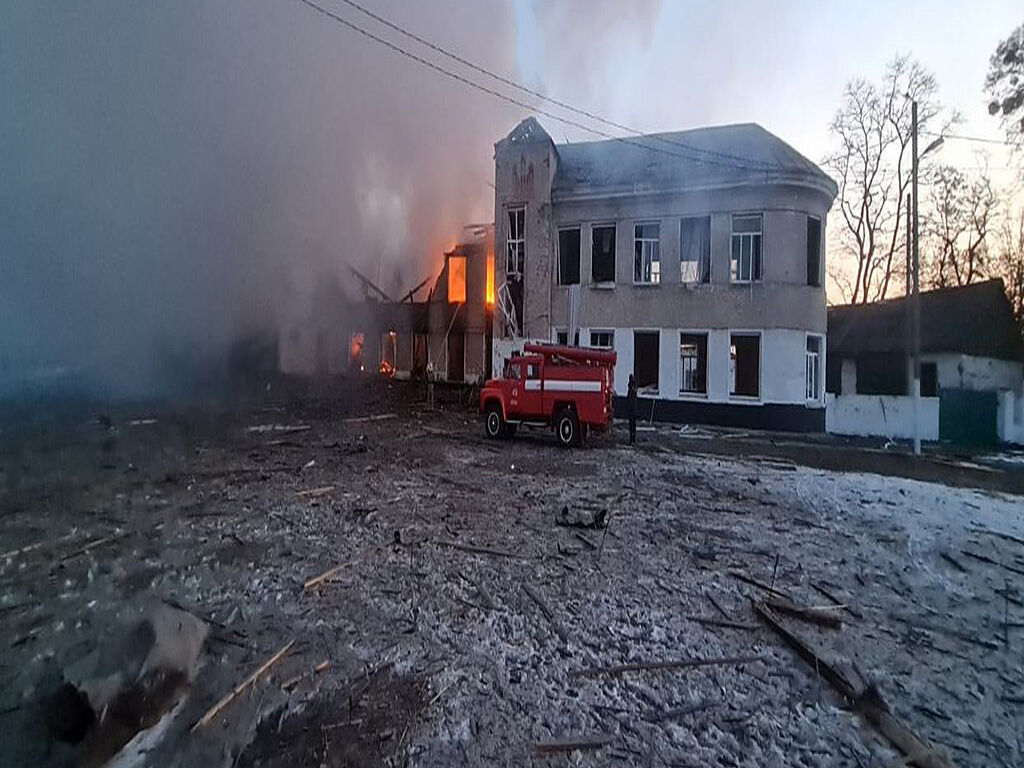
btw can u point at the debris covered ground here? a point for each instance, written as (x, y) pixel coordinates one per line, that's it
(445, 600)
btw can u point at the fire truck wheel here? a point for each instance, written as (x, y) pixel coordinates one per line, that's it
(568, 427)
(494, 423)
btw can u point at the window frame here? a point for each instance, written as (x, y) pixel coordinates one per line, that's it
(520, 239)
(700, 272)
(562, 331)
(819, 356)
(748, 333)
(656, 276)
(579, 255)
(821, 250)
(694, 393)
(609, 331)
(614, 227)
(656, 392)
(735, 276)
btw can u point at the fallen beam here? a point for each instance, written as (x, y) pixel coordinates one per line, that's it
(476, 550)
(869, 703)
(213, 711)
(571, 744)
(712, 621)
(310, 583)
(991, 561)
(760, 585)
(314, 493)
(836, 601)
(817, 616)
(548, 613)
(364, 419)
(656, 666)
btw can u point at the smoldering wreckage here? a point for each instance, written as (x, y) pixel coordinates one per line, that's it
(348, 571)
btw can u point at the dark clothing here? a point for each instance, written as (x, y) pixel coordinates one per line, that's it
(631, 411)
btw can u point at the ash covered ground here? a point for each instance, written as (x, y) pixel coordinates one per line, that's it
(470, 622)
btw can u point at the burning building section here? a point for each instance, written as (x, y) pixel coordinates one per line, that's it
(444, 335)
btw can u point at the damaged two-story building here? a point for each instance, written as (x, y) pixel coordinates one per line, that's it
(697, 255)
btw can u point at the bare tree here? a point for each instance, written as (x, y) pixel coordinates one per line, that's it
(872, 165)
(1010, 262)
(1005, 85)
(956, 225)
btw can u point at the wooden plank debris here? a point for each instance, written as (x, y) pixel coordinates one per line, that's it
(38, 545)
(313, 493)
(952, 561)
(292, 682)
(836, 601)
(476, 550)
(991, 561)
(548, 613)
(365, 419)
(760, 585)
(571, 744)
(213, 711)
(590, 545)
(869, 702)
(92, 545)
(310, 583)
(713, 621)
(673, 664)
(823, 616)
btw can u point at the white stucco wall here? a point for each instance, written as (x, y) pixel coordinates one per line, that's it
(881, 416)
(978, 373)
(1010, 417)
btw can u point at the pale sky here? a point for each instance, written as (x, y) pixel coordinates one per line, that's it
(177, 173)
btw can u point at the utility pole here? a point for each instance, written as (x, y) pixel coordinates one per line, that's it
(917, 289)
(908, 314)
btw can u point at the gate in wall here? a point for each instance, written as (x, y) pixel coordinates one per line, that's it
(968, 417)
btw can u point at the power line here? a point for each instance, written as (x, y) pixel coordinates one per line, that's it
(504, 97)
(980, 139)
(550, 99)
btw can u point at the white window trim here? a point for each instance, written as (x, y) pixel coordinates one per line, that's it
(685, 394)
(610, 331)
(561, 329)
(657, 331)
(558, 255)
(642, 223)
(751, 280)
(509, 239)
(603, 284)
(819, 398)
(760, 365)
(711, 247)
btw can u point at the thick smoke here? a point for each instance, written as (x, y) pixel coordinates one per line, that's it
(176, 175)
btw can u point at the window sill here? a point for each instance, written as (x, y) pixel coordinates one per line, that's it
(687, 395)
(646, 285)
(565, 285)
(744, 398)
(745, 283)
(608, 286)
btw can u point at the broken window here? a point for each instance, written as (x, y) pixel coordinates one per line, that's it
(695, 249)
(746, 249)
(645, 360)
(603, 254)
(456, 279)
(489, 295)
(693, 361)
(355, 351)
(515, 252)
(812, 368)
(602, 339)
(647, 256)
(813, 251)
(929, 380)
(745, 364)
(562, 337)
(569, 256)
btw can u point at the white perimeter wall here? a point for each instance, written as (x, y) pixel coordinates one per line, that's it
(881, 416)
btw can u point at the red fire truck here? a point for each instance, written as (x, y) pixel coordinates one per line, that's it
(569, 389)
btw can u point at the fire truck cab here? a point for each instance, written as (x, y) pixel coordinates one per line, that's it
(569, 389)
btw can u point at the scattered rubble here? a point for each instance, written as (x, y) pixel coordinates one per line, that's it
(484, 634)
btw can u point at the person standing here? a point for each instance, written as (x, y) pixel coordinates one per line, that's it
(631, 409)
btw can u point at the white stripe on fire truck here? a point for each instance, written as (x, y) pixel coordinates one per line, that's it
(565, 385)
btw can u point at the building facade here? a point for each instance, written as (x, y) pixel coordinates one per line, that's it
(698, 256)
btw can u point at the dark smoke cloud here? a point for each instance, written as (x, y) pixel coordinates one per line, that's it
(174, 175)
